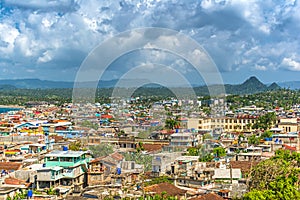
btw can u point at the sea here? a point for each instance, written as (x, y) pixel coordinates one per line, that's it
(4, 110)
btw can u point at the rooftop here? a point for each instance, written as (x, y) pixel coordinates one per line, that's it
(65, 154)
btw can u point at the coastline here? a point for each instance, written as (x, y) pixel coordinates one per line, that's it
(12, 106)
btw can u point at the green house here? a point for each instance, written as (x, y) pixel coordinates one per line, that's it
(66, 158)
(67, 169)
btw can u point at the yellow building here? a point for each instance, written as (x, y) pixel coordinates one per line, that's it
(288, 125)
(229, 124)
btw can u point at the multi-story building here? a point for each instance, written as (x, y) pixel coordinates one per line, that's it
(161, 162)
(63, 168)
(229, 124)
(182, 141)
(288, 124)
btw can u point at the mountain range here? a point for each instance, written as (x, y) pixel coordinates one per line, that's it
(251, 85)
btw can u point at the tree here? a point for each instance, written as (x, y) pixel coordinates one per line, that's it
(157, 180)
(89, 124)
(140, 147)
(101, 150)
(266, 134)
(207, 136)
(140, 158)
(265, 121)
(75, 146)
(253, 139)
(219, 152)
(206, 158)
(171, 123)
(275, 178)
(193, 151)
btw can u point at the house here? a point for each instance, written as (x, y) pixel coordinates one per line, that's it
(127, 172)
(7, 167)
(250, 154)
(288, 125)
(161, 162)
(198, 175)
(96, 172)
(101, 168)
(245, 166)
(227, 174)
(182, 141)
(64, 168)
(291, 139)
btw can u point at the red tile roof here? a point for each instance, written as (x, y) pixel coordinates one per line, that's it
(209, 196)
(245, 166)
(14, 181)
(117, 156)
(170, 189)
(10, 166)
(152, 147)
(287, 147)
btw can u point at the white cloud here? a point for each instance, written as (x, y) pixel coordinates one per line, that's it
(59, 34)
(291, 64)
(45, 58)
(260, 68)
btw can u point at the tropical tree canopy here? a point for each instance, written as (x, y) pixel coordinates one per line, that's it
(275, 178)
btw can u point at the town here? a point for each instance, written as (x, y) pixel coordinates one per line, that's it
(166, 149)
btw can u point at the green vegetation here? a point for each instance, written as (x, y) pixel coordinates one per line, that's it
(171, 123)
(266, 134)
(265, 121)
(157, 180)
(219, 152)
(101, 150)
(51, 191)
(18, 196)
(193, 151)
(140, 158)
(253, 139)
(268, 99)
(275, 178)
(89, 124)
(283, 98)
(77, 146)
(206, 158)
(207, 136)
(140, 147)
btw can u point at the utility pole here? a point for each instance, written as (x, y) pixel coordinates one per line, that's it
(230, 167)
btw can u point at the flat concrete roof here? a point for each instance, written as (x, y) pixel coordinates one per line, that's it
(65, 154)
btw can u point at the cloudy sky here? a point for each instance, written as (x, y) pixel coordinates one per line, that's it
(50, 39)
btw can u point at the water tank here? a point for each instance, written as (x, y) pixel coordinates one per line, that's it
(65, 148)
(118, 171)
(30, 194)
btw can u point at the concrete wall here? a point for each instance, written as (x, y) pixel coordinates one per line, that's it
(19, 138)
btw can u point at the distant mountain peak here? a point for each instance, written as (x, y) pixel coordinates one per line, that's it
(252, 80)
(274, 86)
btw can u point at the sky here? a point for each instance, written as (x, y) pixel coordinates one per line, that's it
(50, 39)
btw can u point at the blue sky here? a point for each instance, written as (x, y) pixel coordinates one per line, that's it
(49, 39)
